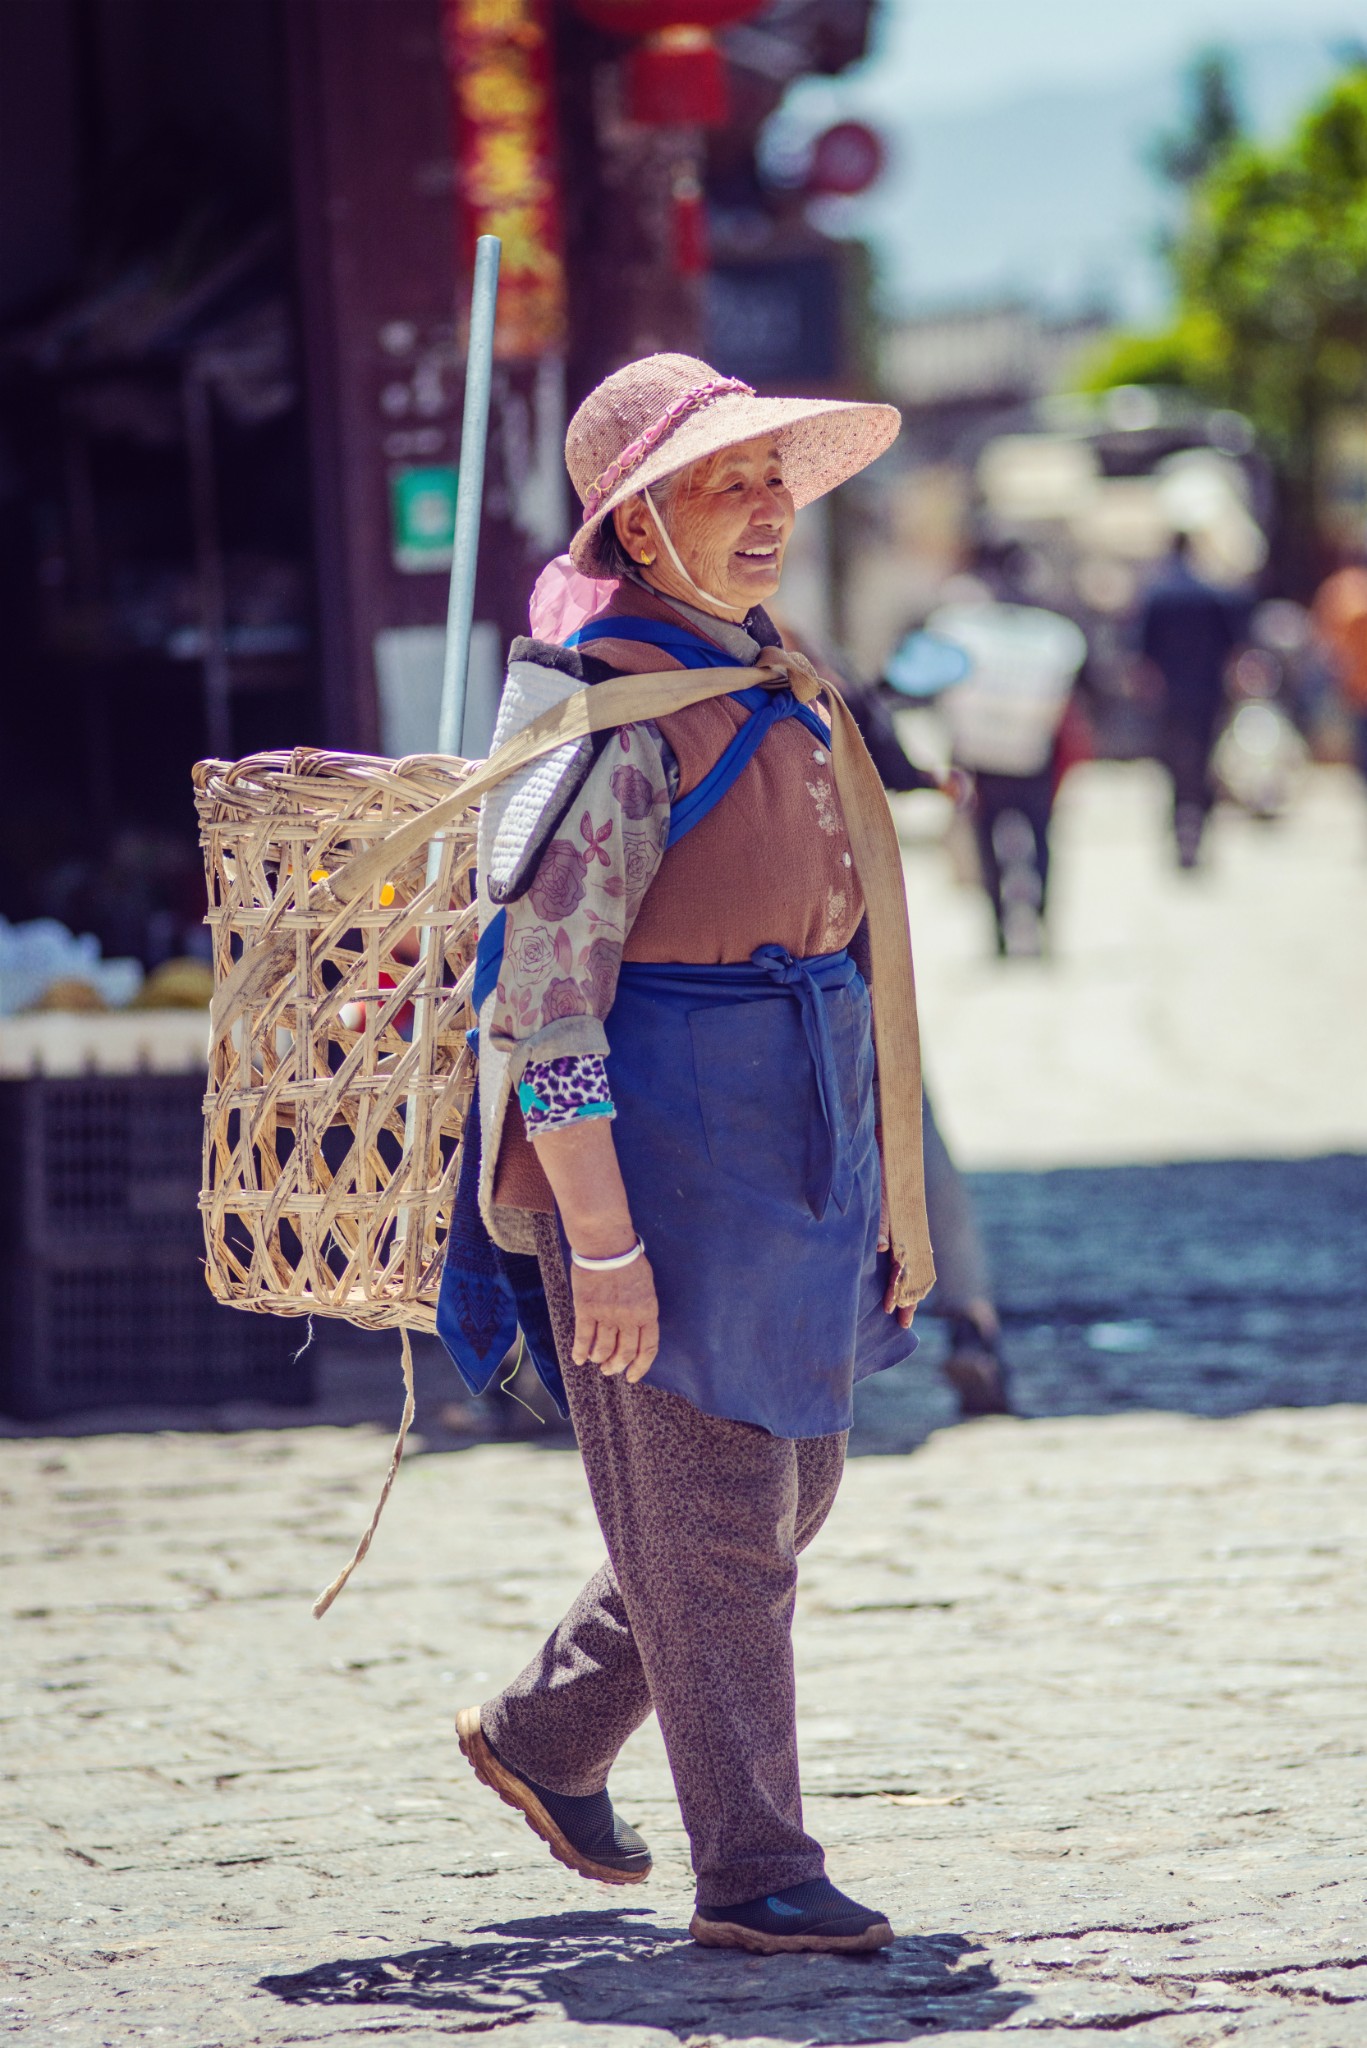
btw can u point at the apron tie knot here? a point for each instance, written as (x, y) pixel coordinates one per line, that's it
(831, 1174)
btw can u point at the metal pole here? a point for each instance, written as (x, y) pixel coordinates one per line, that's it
(460, 611)
(474, 433)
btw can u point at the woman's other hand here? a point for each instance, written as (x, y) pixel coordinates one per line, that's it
(903, 1315)
(616, 1315)
(616, 1320)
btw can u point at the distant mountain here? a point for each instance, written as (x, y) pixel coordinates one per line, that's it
(1048, 197)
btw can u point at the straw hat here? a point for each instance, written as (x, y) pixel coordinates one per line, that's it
(664, 412)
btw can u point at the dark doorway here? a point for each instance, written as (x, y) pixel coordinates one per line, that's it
(155, 547)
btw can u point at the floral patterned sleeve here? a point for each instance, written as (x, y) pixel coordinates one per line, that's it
(564, 938)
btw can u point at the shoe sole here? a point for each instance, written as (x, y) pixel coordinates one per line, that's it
(513, 1792)
(726, 1934)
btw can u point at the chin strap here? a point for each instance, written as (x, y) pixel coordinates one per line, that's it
(673, 554)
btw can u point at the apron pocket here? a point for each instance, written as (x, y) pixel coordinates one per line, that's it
(756, 1094)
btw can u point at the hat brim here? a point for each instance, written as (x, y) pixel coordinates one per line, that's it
(822, 441)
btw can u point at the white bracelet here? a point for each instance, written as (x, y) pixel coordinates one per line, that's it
(612, 1265)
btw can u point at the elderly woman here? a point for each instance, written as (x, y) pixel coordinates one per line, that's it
(679, 1121)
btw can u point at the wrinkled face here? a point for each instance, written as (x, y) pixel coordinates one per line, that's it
(730, 516)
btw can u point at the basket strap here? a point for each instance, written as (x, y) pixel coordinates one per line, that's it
(622, 700)
(329, 1593)
(618, 701)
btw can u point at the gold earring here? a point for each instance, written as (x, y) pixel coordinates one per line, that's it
(646, 561)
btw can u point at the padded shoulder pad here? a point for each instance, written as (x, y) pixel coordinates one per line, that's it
(546, 654)
(520, 816)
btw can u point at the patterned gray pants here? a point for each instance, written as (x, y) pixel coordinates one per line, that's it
(691, 1615)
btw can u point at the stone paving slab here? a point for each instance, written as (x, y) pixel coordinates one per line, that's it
(1081, 1705)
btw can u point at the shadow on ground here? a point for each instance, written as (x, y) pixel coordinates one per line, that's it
(621, 1968)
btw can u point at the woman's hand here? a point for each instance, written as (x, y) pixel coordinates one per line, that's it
(616, 1315)
(616, 1320)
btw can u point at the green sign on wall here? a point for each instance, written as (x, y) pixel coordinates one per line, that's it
(422, 517)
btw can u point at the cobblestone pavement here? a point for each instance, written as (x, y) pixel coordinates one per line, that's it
(1081, 1706)
(1209, 1286)
(1081, 1693)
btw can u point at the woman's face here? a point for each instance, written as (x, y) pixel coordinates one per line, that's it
(730, 517)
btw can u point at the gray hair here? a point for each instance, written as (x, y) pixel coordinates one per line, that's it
(616, 560)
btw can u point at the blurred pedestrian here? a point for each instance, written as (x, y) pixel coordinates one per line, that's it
(1187, 630)
(1004, 724)
(1339, 617)
(973, 1366)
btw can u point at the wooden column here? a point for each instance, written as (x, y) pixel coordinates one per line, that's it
(371, 126)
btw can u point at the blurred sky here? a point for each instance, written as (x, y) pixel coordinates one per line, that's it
(1018, 132)
(935, 56)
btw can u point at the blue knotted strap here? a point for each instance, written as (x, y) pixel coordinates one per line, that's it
(766, 707)
(489, 959)
(687, 647)
(688, 811)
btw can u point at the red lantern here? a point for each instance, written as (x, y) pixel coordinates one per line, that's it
(648, 17)
(677, 79)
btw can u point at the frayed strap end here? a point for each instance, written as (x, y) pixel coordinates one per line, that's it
(912, 1283)
(326, 1598)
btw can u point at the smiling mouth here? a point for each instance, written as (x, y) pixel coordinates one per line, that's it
(767, 554)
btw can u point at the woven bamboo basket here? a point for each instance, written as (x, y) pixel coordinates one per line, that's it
(339, 1073)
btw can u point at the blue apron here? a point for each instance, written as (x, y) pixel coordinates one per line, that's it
(745, 1133)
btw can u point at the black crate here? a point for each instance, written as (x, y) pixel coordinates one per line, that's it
(137, 1326)
(100, 1159)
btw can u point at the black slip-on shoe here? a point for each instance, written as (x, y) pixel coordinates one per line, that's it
(583, 1833)
(812, 1916)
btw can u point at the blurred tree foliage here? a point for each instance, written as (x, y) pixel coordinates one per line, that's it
(1270, 269)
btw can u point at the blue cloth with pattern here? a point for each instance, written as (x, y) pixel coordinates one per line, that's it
(487, 1293)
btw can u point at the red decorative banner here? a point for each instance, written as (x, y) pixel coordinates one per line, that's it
(500, 56)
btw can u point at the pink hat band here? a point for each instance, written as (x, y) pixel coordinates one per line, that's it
(636, 451)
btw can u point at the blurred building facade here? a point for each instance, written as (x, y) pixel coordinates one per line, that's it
(960, 370)
(235, 244)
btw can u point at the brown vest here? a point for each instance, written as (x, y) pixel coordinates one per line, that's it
(770, 864)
